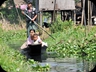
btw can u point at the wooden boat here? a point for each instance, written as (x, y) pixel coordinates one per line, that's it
(36, 52)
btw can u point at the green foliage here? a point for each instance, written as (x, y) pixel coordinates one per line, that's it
(73, 42)
(70, 41)
(10, 13)
(11, 59)
(9, 36)
(59, 25)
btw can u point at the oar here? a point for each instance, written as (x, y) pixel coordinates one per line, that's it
(39, 25)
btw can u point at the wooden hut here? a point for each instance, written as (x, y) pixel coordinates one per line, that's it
(88, 12)
(52, 6)
(65, 7)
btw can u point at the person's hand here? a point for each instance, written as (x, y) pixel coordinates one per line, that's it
(22, 12)
(17, 6)
(32, 19)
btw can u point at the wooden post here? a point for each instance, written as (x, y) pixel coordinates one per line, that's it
(54, 11)
(74, 17)
(83, 11)
(89, 16)
(51, 16)
(84, 17)
(83, 20)
(61, 16)
(37, 7)
(41, 18)
(88, 13)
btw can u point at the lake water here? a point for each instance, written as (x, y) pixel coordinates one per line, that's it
(67, 64)
(72, 64)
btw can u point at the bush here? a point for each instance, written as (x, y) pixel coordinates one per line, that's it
(59, 25)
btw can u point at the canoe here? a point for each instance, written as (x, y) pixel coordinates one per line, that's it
(36, 52)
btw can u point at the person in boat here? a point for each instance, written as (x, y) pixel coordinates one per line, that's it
(38, 41)
(33, 37)
(30, 38)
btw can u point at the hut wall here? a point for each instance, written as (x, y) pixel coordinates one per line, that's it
(60, 5)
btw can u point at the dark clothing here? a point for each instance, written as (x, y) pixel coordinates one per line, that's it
(29, 23)
(30, 13)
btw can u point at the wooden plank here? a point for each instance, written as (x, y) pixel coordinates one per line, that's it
(66, 4)
(46, 5)
(60, 5)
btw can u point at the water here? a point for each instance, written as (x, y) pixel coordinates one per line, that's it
(66, 64)
(62, 64)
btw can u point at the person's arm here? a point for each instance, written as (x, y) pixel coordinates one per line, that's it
(22, 12)
(35, 16)
(29, 41)
(39, 40)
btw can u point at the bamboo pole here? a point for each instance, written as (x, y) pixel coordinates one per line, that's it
(39, 26)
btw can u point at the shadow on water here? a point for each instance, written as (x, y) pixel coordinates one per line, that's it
(60, 64)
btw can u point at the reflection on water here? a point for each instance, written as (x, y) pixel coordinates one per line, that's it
(67, 64)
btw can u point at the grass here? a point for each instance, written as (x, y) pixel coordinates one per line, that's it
(11, 60)
(69, 42)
